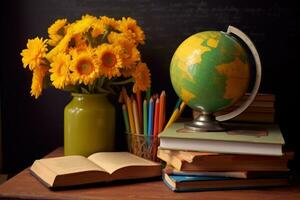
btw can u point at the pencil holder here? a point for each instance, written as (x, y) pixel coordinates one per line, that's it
(143, 146)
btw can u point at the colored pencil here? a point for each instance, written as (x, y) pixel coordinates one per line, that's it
(156, 117)
(130, 115)
(177, 104)
(176, 114)
(172, 118)
(140, 108)
(145, 117)
(162, 114)
(148, 94)
(181, 108)
(150, 117)
(136, 117)
(123, 95)
(125, 115)
(121, 100)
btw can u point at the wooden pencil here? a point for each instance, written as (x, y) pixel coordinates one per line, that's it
(139, 108)
(156, 117)
(162, 106)
(130, 115)
(150, 117)
(145, 117)
(125, 116)
(136, 117)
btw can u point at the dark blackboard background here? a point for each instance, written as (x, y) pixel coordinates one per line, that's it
(31, 128)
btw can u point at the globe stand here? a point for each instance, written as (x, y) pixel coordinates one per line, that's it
(185, 70)
(205, 122)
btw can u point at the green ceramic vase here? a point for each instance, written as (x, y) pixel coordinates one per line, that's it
(89, 125)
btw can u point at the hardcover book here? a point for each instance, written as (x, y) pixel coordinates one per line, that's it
(200, 161)
(260, 97)
(257, 139)
(256, 115)
(179, 183)
(232, 174)
(99, 167)
(172, 171)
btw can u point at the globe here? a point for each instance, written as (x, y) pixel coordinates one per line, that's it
(210, 71)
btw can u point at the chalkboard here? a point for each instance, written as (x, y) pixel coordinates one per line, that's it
(31, 128)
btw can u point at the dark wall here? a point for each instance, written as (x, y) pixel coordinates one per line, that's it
(31, 128)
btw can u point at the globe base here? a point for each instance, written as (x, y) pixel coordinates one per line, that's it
(205, 122)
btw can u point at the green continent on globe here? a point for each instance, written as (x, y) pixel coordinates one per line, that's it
(210, 71)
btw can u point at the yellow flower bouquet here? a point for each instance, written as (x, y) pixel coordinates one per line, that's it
(91, 55)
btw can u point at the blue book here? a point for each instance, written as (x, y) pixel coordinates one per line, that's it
(179, 183)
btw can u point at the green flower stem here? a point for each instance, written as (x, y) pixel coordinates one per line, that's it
(130, 80)
(105, 35)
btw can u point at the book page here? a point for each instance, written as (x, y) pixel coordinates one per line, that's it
(191, 156)
(69, 164)
(112, 161)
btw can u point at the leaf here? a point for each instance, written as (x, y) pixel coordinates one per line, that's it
(84, 91)
(91, 87)
(105, 35)
(71, 88)
(98, 40)
(90, 39)
(101, 90)
(100, 82)
(109, 88)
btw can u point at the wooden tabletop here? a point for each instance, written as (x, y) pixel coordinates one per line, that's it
(25, 186)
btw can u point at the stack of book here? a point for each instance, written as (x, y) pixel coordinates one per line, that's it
(247, 156)
(261, 110)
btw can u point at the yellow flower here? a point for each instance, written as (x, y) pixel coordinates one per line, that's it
(61, 47)
(130, 54)
(36, 50)
(83, 25)
(79, 27)
(127, 72)
(60, 73)
(111, 22)
(83, 67)
(141, 78)
(114, 37)
(97, 28)
(129, 27)
(56, 31)
(78, 42)
(109, 60)
(83, 51)
(37, 80)
(133, 58)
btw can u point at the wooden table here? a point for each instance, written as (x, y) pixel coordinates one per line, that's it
(25, 186)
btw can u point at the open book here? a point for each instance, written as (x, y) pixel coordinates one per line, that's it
(98, 167)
